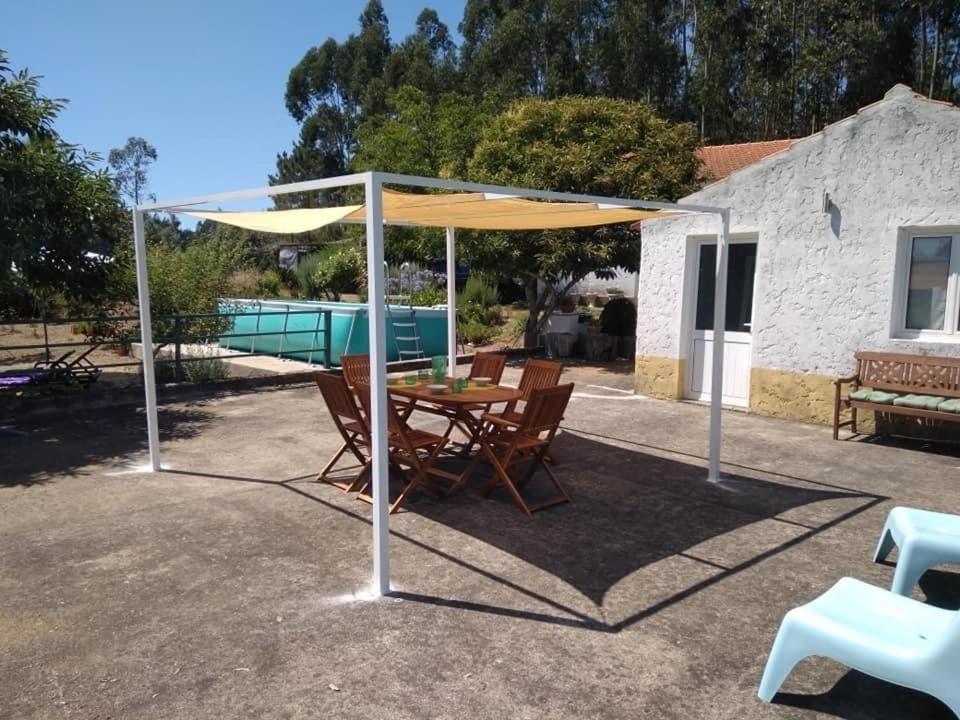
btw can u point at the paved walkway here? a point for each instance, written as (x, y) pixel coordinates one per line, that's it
(233, 586)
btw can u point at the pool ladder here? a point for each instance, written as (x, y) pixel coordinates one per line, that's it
(406, 334)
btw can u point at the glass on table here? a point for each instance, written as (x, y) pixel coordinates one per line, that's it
(439, 365)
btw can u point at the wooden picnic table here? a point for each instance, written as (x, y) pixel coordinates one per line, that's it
(471, 395)
(464, 408)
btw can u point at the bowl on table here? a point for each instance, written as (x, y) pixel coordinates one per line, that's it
(437, 389)
(481, 381)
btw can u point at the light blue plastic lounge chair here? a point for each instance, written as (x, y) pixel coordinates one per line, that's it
(925, 539)
(875, 631)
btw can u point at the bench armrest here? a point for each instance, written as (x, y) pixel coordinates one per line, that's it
(854, 379)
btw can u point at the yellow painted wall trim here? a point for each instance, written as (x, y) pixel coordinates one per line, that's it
(660, 377)
(792, 395)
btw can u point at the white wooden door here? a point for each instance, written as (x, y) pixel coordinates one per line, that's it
(736, 338)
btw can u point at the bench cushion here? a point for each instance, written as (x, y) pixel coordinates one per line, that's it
(951, 405)
(874, 396)
(923, 402)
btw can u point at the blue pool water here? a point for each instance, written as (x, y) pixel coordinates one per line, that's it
(349, 329)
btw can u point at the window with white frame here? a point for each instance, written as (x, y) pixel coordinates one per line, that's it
(931, 302)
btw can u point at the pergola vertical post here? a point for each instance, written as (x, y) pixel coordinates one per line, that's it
(146, 339)
(451, 303)
(719, 325)
(373, 187)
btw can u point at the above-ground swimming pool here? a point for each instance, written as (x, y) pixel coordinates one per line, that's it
(349, 331)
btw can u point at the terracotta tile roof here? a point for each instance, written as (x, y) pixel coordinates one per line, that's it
(718, 161)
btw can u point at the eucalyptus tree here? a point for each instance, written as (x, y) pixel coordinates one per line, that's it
(130, 165)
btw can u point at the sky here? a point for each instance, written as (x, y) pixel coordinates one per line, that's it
(201, 81)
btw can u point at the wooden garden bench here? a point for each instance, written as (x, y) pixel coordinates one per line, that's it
(920, 386)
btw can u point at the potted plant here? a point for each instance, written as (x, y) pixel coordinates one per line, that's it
(124, 339)
(619, 320)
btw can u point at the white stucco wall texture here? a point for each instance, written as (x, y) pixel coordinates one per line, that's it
(825, 281)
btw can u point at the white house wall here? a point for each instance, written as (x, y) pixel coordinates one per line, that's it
(825, 282)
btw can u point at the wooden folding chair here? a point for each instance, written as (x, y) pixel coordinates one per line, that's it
(407, 448)
(485, 365)
(355, 368)
(506, 444)
(537, 374)
(352, 427)
(488, 365)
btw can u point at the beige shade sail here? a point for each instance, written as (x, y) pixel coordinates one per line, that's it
(288, 222)
(471, 211)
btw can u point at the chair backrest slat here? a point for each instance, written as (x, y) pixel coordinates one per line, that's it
(395, 424)
(539, 374)
(489, 365)
(355, 369)
(544, 410)
(339, 399)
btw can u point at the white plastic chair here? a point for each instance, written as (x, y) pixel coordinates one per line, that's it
(925, 539)
(875, 631)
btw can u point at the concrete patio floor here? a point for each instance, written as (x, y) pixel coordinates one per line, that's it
(234, 586)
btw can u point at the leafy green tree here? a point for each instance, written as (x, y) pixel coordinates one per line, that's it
(516, 48)
(329, 92)
(422, 136)
(590, 145)
(191, 279)
(642, 49)
(59, 217)
(426, 60)
(130, 165)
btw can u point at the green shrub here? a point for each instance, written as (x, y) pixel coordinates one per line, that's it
(476, 302)
(306, 269)
(518, 326)
(428, 296)
(619, 317)
(242, 283)
(268, 284)
(205, 370)
(288, 278)
(191, 280)
(477, 333)
(478, 292)
(339, 273)
(493, 316)
(164, 372)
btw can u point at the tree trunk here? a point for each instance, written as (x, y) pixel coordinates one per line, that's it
(936, 56)
(923, 42)
(530, 334)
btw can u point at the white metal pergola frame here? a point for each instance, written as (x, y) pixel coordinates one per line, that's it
(373, 183)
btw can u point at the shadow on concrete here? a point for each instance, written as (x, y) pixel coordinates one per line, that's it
(946, 444)
(941, 588)
(39, 449)
(860, 697)
(631, 509)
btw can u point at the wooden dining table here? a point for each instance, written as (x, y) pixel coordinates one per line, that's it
(465, 407)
